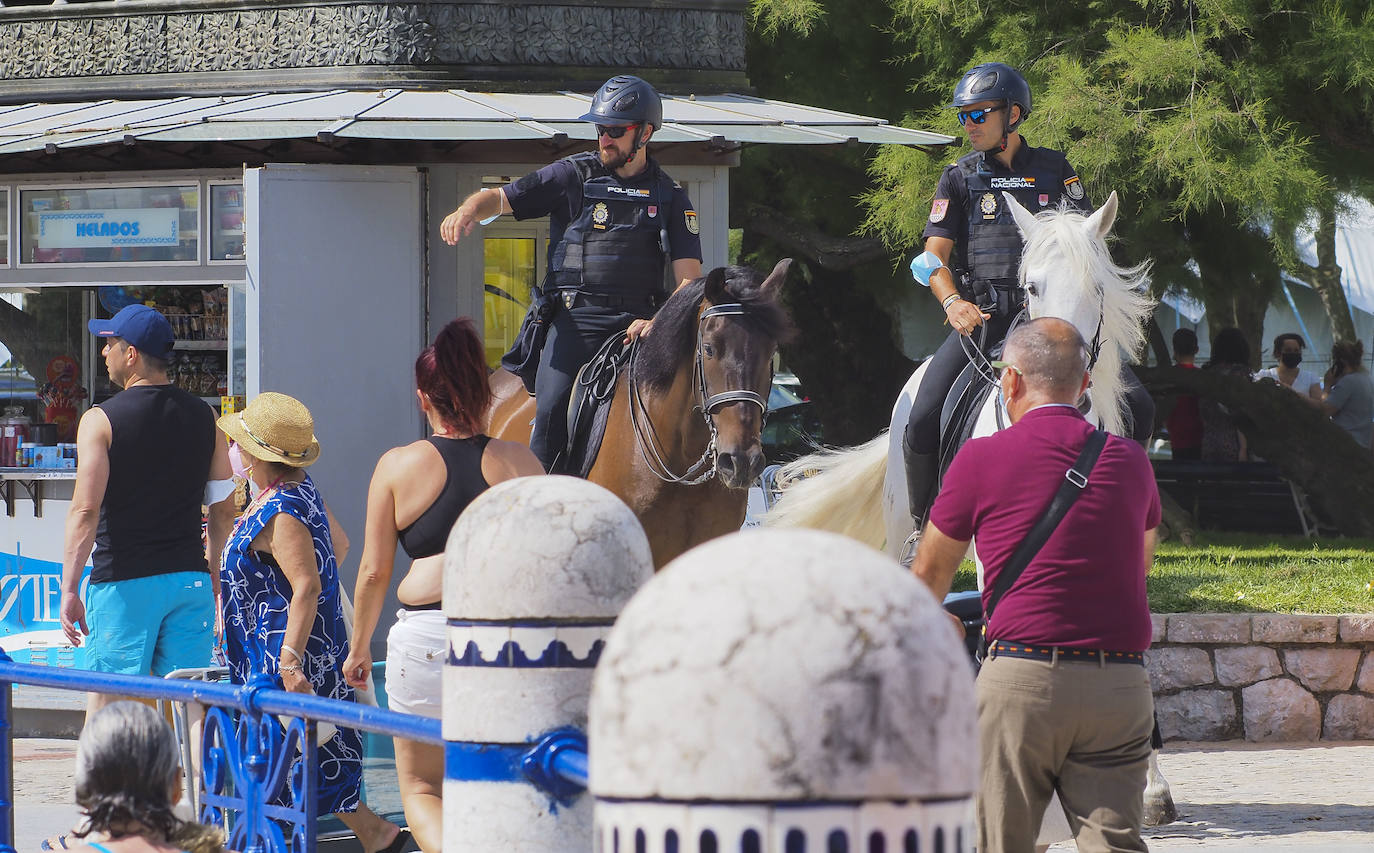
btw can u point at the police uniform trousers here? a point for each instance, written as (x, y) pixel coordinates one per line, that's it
(1081, 728)
(575, 334)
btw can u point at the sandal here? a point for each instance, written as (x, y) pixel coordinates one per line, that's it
(56, 842)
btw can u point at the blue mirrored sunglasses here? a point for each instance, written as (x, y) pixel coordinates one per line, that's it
(978, 116)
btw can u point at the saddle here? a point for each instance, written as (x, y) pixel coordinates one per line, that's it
(962, 405)
(589, 407)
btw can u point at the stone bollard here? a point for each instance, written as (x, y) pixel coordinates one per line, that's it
(535, 571)
(783, 691)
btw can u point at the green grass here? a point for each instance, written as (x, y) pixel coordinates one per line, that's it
(1251, 573)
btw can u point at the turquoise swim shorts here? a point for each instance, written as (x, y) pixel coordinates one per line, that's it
(151, 625)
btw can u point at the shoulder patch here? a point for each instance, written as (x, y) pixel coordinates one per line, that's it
(693, 226)
(938, 209)
(1074, 188)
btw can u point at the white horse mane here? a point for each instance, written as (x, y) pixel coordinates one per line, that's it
(1065, 241)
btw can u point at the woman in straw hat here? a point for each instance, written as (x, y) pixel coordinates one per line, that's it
(416, 495)
(283, 615)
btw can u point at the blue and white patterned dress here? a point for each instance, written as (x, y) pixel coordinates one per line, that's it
(256, 597)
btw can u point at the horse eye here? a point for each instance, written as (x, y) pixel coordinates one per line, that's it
(708, 350)
(1031, 289)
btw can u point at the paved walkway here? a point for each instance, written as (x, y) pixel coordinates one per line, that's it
(1232, 797)
(1238, 796)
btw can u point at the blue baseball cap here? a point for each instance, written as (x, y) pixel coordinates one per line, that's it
(142, 327)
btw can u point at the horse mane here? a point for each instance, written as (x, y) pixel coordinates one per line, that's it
(674, 337)
(1125, 302)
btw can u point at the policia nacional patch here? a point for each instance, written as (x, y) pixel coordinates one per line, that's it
(600, 215)
(692, 225)
(1074, 188)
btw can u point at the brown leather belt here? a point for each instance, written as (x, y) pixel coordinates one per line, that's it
(1004, 648)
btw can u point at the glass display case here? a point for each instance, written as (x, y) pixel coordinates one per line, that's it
(4, 228)
(104, 225)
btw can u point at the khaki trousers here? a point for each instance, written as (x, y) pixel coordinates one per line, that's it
(1082, 729)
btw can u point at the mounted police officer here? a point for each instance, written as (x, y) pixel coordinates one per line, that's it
(616, 220)
(973, 250)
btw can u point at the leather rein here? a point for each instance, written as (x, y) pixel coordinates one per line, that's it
(646, 437)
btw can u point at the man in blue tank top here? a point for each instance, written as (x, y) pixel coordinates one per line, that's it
(146, 457)
(616, 220)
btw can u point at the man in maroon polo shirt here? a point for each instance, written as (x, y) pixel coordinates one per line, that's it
(1064, 702)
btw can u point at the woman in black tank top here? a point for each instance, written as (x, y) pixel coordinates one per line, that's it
(417, 493)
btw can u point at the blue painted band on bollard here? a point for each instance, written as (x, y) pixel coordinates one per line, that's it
(554, 656)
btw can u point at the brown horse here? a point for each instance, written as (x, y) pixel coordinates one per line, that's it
(682, 440)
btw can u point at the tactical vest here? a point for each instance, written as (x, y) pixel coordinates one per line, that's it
(618, 243)
(993, 254)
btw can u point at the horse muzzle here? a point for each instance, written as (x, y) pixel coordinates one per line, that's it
(738, 470)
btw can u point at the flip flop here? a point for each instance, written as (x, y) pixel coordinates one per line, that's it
(398, 844)
(58, 842)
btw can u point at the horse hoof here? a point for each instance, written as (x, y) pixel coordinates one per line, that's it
(1159, 807)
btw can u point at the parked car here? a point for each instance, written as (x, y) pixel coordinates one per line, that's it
(793, 428)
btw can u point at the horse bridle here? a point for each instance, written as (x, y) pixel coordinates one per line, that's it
(646, 439)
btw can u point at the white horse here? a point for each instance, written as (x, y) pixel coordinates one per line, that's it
(1067, 272)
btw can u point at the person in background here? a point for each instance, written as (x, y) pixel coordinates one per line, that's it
(1288, 349)
(127, 782)
(1221, 440)
(1185, 421)
(283, 614)
(416, 495)
(1350, 392)
(150, 460)
(1064, 702)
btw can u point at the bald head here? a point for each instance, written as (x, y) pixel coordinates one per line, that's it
(1052, 357)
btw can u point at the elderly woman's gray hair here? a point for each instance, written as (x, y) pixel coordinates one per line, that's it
(127, 776)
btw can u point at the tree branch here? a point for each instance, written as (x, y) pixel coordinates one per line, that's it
(833, 253)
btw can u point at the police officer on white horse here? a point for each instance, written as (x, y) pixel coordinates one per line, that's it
(615, 221)
(973, 252)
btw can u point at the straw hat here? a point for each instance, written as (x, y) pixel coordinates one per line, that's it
(276, 428)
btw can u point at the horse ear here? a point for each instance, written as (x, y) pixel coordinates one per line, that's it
(715, 286)
(773, 283)
(1100, 223)
(1025, 220)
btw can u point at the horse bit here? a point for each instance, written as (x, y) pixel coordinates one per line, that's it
(647, 440)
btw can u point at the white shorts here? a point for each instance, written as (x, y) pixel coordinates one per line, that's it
(415, 650)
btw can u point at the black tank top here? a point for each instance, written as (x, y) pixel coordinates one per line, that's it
(428, 534)
(161, 442)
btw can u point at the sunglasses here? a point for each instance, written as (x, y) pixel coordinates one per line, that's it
(614, 131)
(977, 116)
(1006, 365)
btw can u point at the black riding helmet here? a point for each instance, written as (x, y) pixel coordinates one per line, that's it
(626, 100)
(994, 81)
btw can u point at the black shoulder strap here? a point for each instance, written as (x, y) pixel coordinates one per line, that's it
(1075, 479)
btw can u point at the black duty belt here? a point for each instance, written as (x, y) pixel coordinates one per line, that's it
(581, 299)
(1005, 648)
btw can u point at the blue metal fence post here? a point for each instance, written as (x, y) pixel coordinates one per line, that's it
(6, 762)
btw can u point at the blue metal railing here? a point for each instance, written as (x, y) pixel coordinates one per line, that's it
(247, 763)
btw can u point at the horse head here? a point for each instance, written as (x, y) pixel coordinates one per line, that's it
(737, 335)
(1067, 272)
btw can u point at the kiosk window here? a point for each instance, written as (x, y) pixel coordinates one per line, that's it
(226, 222)
(110, 225)
(44, 351)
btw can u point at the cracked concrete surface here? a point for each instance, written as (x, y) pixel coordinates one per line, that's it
(783, 665)
(544, 547)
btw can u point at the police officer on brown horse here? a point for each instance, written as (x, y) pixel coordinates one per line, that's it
(616, 221)
(973, 252)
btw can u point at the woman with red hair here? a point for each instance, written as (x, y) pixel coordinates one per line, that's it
(416, 495)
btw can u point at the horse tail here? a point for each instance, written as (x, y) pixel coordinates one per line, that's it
(836, 490)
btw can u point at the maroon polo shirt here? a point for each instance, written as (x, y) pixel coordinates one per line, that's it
(1086, 586)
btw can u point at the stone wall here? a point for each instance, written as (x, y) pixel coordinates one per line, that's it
(1263, 676)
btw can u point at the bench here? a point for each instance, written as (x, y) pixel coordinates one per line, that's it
(1237, 496)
